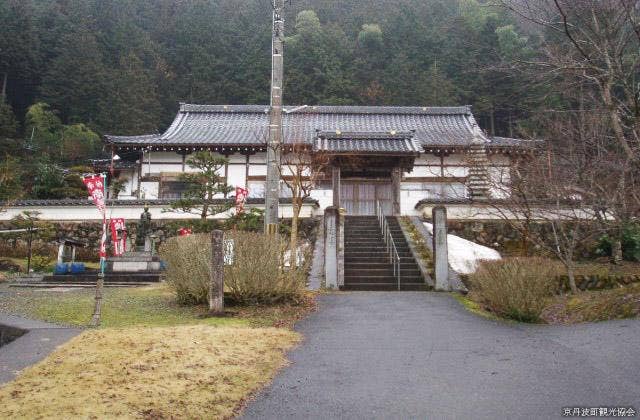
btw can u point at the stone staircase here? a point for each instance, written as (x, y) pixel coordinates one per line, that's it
(366, 262)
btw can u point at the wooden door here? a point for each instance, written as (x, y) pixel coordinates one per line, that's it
(359, 198)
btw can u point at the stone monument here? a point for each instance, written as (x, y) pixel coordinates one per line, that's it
(141, 259)
(143, 233)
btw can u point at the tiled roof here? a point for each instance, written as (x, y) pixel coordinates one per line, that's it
(363, 142)
(247, 125)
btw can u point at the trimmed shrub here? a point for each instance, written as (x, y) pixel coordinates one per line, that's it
(516, 288)
(188, 261)
(257, 275)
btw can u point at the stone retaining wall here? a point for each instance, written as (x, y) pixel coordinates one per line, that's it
(597, 282)
(499, 235)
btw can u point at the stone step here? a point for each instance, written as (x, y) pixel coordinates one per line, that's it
(365, 274)
(386, 287)
(108, 278)
(382, 279)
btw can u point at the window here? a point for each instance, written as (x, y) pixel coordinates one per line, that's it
(173, 189)
(256, 189)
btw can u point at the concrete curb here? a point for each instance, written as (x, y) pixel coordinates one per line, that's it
(39, 340)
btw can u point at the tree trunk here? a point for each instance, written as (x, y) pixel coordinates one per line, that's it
(293, 245)
(616, 247)
(572, 279)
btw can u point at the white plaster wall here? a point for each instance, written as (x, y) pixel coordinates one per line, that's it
(237, 158)
(149, 190)
(260, 157)
(164, 157)
(427, 159)
(163, 168)
(236, 175)
(324, 197)
(423, 171)
(499, 178)
(129, 186)
(455, 159)
(408, 201)
(456, 171)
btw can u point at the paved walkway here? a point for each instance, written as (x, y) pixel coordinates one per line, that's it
(40, 340)
(422, 355)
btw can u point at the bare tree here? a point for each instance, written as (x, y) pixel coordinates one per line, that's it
(565, 187)
(590, 57)
(301, 169)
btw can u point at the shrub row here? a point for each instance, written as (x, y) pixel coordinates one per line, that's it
(519, 287)
(258, 273)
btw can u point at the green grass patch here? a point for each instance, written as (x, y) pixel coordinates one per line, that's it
(147, 306)
(477, 309)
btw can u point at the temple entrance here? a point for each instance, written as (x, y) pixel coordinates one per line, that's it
(358, 197)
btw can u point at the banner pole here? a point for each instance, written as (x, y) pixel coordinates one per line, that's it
(97, 311)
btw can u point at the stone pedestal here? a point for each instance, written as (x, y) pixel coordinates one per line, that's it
(133, 262)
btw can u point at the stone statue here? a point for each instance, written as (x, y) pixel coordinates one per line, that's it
(144, 227)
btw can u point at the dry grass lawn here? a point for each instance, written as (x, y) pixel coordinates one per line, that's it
(594, 305)
(186, 371)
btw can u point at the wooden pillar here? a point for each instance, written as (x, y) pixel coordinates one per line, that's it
(396, 180)
(335, 178)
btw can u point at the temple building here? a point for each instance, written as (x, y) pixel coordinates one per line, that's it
(409, 159)
(399, 156)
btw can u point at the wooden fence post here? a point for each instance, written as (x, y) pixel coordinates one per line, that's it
(216, 284)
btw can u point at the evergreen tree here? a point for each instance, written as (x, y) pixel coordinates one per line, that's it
(75, 82)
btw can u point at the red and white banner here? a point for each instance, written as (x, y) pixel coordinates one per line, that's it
(118, 236)
(95, 186)
(241, 198)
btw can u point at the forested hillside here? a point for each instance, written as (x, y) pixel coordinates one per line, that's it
(122, 66)
(72, 70)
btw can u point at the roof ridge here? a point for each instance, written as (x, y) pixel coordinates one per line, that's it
(331, 109)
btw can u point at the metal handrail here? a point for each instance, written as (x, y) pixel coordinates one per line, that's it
(394, 257)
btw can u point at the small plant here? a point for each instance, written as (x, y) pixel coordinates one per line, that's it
(516, 288)
(40, 263)
(630, 243)
(251, 221)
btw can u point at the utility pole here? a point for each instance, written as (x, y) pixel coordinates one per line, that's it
(272, 190)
